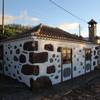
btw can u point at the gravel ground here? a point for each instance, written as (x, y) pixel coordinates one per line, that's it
(83, 88)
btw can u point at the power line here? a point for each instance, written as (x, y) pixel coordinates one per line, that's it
(77, 17)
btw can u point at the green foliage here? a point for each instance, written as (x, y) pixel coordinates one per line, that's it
(12, 30)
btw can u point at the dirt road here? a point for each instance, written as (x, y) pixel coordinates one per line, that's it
(82, 88)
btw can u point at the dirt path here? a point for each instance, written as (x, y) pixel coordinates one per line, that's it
(82, 88)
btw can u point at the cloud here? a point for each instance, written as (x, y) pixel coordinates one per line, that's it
(23, 18)
(74, 28)
(69, 26)
(98, 29)
(98, 26)
(7, 19)
(84, 33)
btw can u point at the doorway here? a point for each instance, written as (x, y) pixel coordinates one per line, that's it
(87, 60)
(66, 69)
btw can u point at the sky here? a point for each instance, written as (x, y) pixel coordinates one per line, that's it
(34, 12)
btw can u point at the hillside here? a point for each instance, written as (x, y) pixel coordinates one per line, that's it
(13, 30)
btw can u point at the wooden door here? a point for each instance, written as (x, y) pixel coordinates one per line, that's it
(87, 60)
(66, 69)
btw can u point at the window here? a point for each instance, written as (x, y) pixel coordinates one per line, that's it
(87, 54)
(66, 55)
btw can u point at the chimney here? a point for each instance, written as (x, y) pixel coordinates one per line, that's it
(92, 30)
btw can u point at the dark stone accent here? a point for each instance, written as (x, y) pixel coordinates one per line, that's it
(96, 48)
(79, 50)
(6, 68)
(14, 75)
(17, 72)
(59, 66)
(51, 60)
(38, 57)
(77, 59)
(58, 60)
(75, 56)
(79, 71)
(67, 72)
(59, 71)
(20, 78)
(25, 52)
(17, 51)
(15, 66)
(88, 66)
(7, 59)
(30, 69)
(53, 55)
(96, 57)
(20, 45)
(81, 63)
(6, 52)
(15, 47)
(48, 47)
(83, 56)
(22, 58)
(15, 58)
(59, 49)
(10, 51)
(8, 47)
(56, 77)
(30, 46)
(57, 56)
(1, 52)
(74, 68)
(42, 82)
(55, 59)
(94, 63)
(52, 75)
(9, 65)
(51, 69)
(94, 52)
(1, 66)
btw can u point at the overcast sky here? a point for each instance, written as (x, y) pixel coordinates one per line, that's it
(33, 12)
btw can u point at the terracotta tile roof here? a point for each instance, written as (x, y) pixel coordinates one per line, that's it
(56, 33)
(49, 32)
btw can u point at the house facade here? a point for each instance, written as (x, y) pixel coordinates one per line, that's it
(47, 55)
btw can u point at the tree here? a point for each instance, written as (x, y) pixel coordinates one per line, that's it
(11, 30)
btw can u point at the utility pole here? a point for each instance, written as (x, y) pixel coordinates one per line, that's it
(79, 30)
(3, 17)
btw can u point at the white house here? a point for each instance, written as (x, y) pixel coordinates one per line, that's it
(47, 55)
